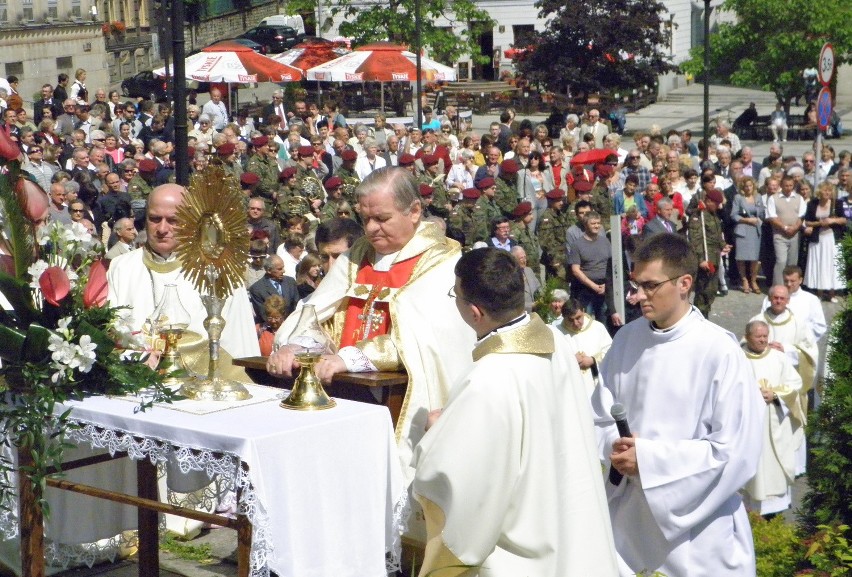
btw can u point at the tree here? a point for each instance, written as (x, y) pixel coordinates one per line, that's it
(394, 20)
(772, 42)
(597, 45)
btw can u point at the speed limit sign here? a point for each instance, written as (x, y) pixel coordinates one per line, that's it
(825, 69)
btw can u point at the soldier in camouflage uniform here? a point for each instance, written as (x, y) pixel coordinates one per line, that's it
(347, 174)
(434, 178)
(520, 232)
(507, 188)
(486, 210)
(334, 200)
(285, 207)
(139, 187)
(552, 226)
(249, 182)
(232, 168)
(705, 226)
(265, 167)
(462, 216)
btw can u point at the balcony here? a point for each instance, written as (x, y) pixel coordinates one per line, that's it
(129, 40)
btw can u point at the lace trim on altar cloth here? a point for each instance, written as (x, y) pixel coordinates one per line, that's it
(399, 525)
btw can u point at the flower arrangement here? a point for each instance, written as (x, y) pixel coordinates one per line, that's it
(60, 341)
(118, 27)
(105, 30)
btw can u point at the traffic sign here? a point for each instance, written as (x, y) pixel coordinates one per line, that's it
(824, 108)
(825, 68)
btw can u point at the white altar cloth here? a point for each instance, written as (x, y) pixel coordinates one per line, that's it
(323, 489)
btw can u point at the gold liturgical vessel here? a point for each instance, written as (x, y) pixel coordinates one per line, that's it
(213, 248)
(169, 321)
(309, 342)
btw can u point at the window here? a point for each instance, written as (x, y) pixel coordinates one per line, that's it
(65, 63)
(76, 11)
(27, 14)
(14, 69)
(523, 34)
(4, 13)
(52, 9)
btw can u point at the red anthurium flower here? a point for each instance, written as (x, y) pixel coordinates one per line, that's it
(95, 293)
(8, 148)
(54, 285)
(32, 199)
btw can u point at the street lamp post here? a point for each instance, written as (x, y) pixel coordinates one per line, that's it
(418, 109)
(706, 127)
(179, 94)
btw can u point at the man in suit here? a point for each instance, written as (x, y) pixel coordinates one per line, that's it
(67, 121)
(46, 101)
(276, 107)
(595, 127)
(60, 93)
(126, 233)
(750, 166)
(273, 283)
(392, 154)
(662, 221)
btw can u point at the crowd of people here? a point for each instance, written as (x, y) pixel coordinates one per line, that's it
(372, 224)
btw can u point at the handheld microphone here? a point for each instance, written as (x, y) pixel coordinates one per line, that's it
(619, 414)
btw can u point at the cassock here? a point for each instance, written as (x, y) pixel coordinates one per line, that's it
(698, 419)
(399, 317)
(508, 477)
(769, 491)
(592, 340)
(806, 307)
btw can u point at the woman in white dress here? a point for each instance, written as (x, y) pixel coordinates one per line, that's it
(825, 223)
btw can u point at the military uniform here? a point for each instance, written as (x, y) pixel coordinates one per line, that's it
(440, 200)
(463, 217)
(485, 211)
(602, 203)
(330, 209)
(350, 183)
(267, 169)
(233, 169)
(506, 197)
(552, 228)
(521, 233)
(706, 283)
(138, 190)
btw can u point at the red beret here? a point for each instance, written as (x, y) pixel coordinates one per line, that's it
(258, 234)
(486, 182)
(716, 196)
(249, 179)
(429, 160)
(306, 151)
(426, 190)
(349, 155)
(147, 166)
(406, 160)
(522, 209)
(509, 167)
(604, 170)
(260, 141)
(470, 193)
(226, 149)
(582, 185)
(555, 194)
(287, 174)
(333, 183)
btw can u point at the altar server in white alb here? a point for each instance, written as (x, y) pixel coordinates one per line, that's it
(696, 419)
(769, 491)
(589, 336)
(508, 474)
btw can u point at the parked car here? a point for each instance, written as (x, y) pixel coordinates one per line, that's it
(275, 38)
(259, 48)
(146, 85)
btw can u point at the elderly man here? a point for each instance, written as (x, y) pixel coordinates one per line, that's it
(126, 233)
(595, 127)
(58, 208)
(273, 283)
(216, 110)
(769, 491)
(397, 276)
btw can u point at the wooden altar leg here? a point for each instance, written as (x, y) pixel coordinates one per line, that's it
(30, 524)
(149, 538)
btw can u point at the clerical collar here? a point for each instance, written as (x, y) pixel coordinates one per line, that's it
(587, 322)
(753, 355)
(772, 318)
(512, 324)
(384, 261)
(158, 263)
(682, 320)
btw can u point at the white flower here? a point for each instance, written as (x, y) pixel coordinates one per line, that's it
(63, 351)
(59, 375)
(35, 271)
(86, 355)
(73, 277)
(77, 233)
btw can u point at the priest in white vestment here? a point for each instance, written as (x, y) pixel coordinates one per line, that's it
(770, 490)
(697, 423)
(138, 279)
(508, 474)
(590, 338)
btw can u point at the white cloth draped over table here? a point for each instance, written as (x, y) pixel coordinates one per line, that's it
(323, 490)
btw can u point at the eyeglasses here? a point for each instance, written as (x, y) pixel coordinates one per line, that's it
(343, 212)
(76, 210)
(34, 150)
(548, 145)
(650, 287)
(631, 157)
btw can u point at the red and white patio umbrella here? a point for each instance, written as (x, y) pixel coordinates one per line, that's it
(235, 64)
(310, 54)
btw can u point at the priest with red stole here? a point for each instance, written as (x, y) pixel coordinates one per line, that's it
(386, 303)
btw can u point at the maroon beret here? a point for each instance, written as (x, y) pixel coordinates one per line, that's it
(522, 209)
(147, 166)
(349, 155)
(333, 183)
(716, 196)
(509, 167)
(429, 160)
(470, 193)
(406, 160)
(582, 185)
(486, 182)
(260, 141)
(426, 190)
(287, 174)
(249, 179)
(555, 194)
(226, 149)
(306, 151)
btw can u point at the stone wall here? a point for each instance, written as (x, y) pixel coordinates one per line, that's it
(228, 25)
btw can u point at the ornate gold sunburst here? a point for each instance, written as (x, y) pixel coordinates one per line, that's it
(212, 232)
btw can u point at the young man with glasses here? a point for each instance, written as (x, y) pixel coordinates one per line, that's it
(696, 416)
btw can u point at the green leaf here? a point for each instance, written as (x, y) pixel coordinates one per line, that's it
(19, 231)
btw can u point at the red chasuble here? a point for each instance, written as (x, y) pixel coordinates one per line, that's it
(367, 313)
